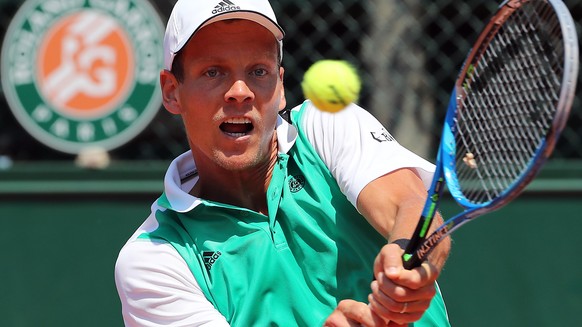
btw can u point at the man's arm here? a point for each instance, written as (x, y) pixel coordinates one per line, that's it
(393, 204)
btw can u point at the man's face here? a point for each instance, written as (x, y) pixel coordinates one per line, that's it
(230, 95)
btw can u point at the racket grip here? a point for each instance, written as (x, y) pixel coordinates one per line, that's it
(411, 257)
(411, 261)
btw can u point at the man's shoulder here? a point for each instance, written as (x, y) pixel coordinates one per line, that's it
(140, 252)
(136, 242)
(138, 248)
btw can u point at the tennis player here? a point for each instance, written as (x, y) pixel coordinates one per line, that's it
(272, 220)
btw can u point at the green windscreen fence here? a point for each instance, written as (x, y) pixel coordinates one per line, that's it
(516, 267)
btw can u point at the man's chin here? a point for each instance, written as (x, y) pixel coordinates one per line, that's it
(237, 162)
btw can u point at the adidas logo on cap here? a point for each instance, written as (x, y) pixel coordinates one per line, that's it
(224, 6)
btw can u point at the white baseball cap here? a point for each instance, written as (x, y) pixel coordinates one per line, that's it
(188, 16)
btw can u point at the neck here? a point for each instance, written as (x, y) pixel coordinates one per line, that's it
(242, 188)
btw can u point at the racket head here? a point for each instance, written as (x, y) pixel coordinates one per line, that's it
(509, 138)
(510, 103)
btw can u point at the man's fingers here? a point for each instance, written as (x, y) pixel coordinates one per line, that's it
(425, 274)
(400, 313)
(352, 313)
(338, 319)
(389, 261)
(415, 279)
(383, 305)
(386, 291)
(399, 304)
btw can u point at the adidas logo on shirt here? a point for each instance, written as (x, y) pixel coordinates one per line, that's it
(224, 6)
(210, 258)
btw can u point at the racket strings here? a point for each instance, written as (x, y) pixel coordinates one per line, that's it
(508, 102)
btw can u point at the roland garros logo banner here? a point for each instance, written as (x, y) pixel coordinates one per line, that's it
(79, 73)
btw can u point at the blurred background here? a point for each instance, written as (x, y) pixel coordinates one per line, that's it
(63, 223)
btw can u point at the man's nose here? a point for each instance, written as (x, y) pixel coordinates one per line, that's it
(239, 91)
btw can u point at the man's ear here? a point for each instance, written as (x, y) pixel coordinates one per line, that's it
(170, 92)
(283, 100)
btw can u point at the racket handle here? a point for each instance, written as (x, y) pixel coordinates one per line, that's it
(410, 258)
(411, 261)
(415, 254)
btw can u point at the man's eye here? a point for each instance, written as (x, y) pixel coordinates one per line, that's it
(212, 73)
(260, 72)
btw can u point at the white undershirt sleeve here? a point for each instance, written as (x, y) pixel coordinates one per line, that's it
(357, 149)
(157, 288)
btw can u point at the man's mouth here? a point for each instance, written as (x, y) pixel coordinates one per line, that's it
(237, 127)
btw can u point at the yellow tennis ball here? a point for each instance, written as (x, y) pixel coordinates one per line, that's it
(331, 85)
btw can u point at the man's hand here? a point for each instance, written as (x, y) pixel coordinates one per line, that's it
(350, 313)
(399, 295)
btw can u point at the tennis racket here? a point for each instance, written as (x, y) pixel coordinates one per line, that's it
(510, 102)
